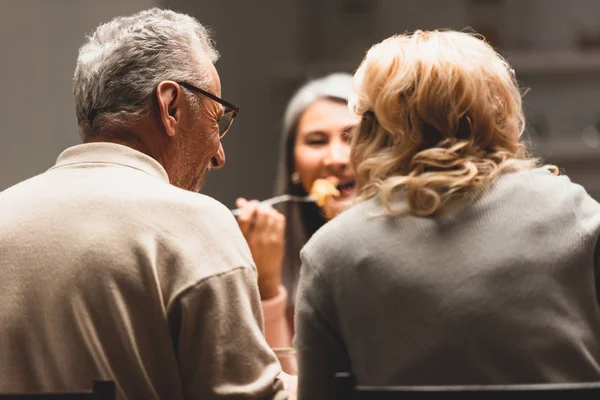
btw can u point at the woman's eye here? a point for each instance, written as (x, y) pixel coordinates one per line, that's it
(316, 142)
(347, 134)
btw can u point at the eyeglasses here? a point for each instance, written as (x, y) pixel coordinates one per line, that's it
(229, 113)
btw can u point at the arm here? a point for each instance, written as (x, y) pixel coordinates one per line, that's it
(221, 348)
(277, 328)
(263, 228)
(321, 350)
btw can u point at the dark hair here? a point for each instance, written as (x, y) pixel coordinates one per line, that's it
(303, 219)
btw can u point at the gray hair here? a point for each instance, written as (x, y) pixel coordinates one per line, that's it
(123, 61)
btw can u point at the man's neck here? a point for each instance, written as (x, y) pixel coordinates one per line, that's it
(144, 136)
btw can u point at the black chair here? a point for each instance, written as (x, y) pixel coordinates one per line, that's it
(348, 390)
(101, 390)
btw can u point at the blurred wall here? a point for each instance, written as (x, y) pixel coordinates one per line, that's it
(542, 39)
(269, 47)
(39, 41)
(268, 51)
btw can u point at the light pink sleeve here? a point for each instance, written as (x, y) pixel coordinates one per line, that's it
(277, 330)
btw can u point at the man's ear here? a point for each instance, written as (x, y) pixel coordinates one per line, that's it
(169, 96)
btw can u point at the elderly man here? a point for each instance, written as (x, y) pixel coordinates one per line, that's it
(112, 266)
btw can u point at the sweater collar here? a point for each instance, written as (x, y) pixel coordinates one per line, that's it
(111, 153)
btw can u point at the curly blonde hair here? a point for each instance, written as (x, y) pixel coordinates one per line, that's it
(441, 116)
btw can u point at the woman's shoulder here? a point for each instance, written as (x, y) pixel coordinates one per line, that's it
(542, 184)
(347, 233)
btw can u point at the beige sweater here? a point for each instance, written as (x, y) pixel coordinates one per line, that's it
(498, 292)
(107, 270)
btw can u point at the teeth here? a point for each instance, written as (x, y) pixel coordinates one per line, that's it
(346, 186)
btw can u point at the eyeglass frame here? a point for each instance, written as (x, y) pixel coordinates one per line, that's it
(234, 109)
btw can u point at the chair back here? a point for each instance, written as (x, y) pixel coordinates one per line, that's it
(101, 390)
(348, 390)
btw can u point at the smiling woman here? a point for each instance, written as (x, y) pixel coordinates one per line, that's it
(315, 150)
(322, 149)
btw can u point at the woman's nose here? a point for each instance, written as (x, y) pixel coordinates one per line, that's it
(337, 156)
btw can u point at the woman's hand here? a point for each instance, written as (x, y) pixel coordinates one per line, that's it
(264, 230)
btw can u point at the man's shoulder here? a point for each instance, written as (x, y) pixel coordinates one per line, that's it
(179, 202)
(198, 231)
(212, 212)
(197, 201)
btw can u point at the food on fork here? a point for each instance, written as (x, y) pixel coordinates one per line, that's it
(323, 188)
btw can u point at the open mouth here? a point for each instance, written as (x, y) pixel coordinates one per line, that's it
(346, 187)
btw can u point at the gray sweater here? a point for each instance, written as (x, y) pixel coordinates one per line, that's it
(500, 291)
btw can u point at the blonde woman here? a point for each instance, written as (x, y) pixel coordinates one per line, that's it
(462, 262)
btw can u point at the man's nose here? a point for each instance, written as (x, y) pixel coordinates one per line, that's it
(219, 159)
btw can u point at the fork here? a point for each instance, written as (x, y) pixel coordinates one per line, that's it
(280, 199)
